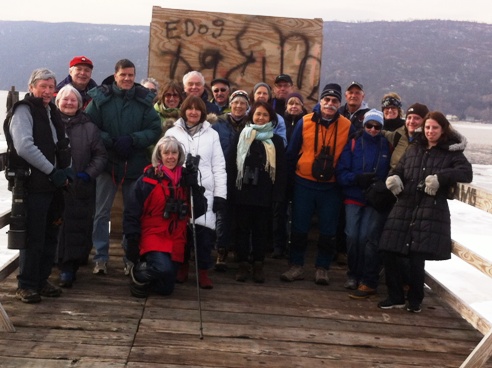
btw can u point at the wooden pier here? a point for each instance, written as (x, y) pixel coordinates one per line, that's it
(98, 323)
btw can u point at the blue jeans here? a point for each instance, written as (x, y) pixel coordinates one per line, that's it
(106, 190)
(306, 202)
(363, 228)
(36, 261)
(159, 270)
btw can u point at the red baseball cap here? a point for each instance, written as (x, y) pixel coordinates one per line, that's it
(81, 60)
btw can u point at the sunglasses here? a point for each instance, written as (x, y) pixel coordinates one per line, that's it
(171, 95)
(370, 126)
(217, 90)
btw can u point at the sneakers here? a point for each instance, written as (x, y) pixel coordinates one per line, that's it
(100, 268)
(350, 284)
(128, 266)
(66, 279)
(220, 264)
(138, 289)
(413, 308)
(321, 276)
(388, 304)
(28, 295)
(50, 291)
(362, 292)
(294, 273)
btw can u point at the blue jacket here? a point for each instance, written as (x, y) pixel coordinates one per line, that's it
(362, 154)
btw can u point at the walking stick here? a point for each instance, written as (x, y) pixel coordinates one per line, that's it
(196, 256)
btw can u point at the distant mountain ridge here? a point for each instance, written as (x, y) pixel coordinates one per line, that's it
(444, 64)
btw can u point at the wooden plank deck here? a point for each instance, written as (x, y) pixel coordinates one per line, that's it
(98, 324)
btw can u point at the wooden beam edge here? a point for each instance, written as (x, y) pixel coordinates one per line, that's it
(469, 314)
(472, 258)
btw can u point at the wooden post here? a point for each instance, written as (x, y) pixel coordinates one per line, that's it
(12, 97)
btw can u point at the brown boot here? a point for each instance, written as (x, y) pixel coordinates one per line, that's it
(242, 272)
(258, 275)
(183, 271)
(203, 280)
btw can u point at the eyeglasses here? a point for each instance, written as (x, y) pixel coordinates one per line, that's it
(375, 126)
(217, 90)
(171, 95)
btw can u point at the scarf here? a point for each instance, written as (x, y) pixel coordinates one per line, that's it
(252, 132)
(193, 129)
(174, 175)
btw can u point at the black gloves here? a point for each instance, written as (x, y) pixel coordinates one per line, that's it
(190, 177)
(365, 179)
(133, 249)
(219, 204)
(70, 174)
(123, 146)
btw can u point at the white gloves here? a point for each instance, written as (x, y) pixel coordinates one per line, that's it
(431, 185)
(394, 184)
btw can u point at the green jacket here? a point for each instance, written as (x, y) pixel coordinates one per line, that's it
(118, 113)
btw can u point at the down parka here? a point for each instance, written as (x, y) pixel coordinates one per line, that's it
(211, 168)
(419, 222)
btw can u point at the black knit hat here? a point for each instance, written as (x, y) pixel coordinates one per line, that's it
(418, 109)
(332, 89)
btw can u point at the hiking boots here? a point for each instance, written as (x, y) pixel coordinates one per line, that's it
(350, 284)
(203, 280)
(28, 295)
(220, 264)
(294, 273)
(101, 268)
(242, 272)
(183, 271)
(321, 276)
(362, 292)
(413, 308)
(50, 291)
(258, 275)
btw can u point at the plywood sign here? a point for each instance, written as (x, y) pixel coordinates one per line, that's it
(245, 49)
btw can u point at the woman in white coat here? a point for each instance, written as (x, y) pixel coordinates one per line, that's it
(202, 142)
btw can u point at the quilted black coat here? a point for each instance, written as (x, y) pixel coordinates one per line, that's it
(419, 222)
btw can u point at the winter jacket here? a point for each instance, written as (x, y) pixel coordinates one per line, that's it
(89, 156)
(229, 130)
(212, 174)
(263, 192)
(147, 218)
(362, 154)
(357, 117)
(168, 116)
(119, 113)
(290, 122)
(400, 141)
(85, 93)
(35, 132)
(419, 222)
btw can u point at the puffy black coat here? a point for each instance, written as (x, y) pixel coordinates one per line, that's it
(419, 222)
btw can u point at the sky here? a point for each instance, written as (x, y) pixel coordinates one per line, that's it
(139, 12)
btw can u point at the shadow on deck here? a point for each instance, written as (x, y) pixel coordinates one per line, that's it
(98, 324)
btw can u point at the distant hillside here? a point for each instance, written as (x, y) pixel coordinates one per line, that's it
(444, 64)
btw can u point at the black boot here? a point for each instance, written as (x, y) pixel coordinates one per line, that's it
(138, 289)
(258, 275)
(242, 272)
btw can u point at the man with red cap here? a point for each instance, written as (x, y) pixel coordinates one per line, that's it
(79, 76)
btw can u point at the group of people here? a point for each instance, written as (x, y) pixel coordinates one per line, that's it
(223, 172)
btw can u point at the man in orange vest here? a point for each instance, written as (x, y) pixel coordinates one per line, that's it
(312, 154)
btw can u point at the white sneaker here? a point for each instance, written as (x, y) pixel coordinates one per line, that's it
(100, 268)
